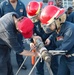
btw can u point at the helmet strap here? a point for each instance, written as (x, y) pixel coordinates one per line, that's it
(57, 28)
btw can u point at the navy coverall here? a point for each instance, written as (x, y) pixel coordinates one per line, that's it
(71, 17)
(8, 40)
(6, 7)
(65, 41)
(40, 32)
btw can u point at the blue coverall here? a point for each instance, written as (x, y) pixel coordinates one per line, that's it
(40, 32)
(6, 7)
(71, 17)
(8, 41)
(65, 41)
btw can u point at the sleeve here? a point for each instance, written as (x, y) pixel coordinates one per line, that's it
(0, 12)
(71, 18)
(24, 12)
(1, 8)
(45, 36)
(36, 30)
(68, 40)
(52, 36)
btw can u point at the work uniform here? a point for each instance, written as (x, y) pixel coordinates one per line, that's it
(64, 40)
(8, 41)
(40, 32)
(6, 7)
(71, 18)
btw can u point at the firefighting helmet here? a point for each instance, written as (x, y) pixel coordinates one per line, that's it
(50, 13)
(33, 8)
(25, 26)
(51, 3)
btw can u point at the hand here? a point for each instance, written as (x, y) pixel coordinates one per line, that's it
(32, 46)
(35, 38)
(47, 42)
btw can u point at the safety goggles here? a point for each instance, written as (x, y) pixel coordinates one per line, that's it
(46, 27)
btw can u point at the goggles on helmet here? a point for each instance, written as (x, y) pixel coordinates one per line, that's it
(46, 28)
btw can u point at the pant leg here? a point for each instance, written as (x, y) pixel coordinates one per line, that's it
(3, 69)
(63, 67)
(71, 65)
(54, 64)
(9, 66)
(54, 59)
(19, 58)
(4, 58)
(40, 68)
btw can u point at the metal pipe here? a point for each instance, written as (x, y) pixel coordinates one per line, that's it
(34, 66)
(21, 65)
(57, 52)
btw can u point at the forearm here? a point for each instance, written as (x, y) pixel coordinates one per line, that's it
(27, 53)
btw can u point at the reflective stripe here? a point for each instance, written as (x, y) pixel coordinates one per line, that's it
(38, 9)
(70, 55)
(52, 19)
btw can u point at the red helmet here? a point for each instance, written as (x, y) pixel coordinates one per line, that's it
(33, 8)
(49, 13)
(25, 26)
(50, 3)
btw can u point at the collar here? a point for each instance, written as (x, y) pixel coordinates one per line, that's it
(19, 2)
(62, 28)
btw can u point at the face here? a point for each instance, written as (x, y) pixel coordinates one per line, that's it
(49, 28)
(52, 26)
(12, 1)
(34, 18)
(58, 2)
(16, 21)
(70, 11)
